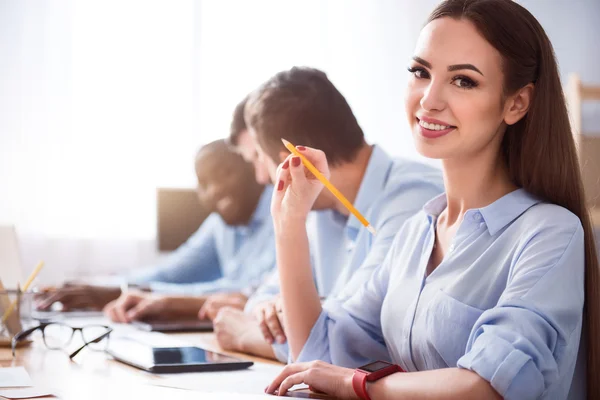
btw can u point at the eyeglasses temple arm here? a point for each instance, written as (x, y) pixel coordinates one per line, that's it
(99, 338)
(22, 335)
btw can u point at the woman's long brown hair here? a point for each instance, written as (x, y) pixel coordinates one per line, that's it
(540, 149)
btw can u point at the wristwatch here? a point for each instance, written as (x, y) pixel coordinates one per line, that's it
(369, 373)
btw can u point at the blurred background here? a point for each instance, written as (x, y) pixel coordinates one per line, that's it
(103, 102)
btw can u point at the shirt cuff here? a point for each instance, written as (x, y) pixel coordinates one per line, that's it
(256, 299)
(282, 352)
(510, 371)
(248, 291)
(316, 346)
(179, 289)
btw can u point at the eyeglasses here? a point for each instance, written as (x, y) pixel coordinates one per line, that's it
(58, 336)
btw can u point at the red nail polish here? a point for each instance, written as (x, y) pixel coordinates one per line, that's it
(286, 164)
(280, 185)
(301, 148)
(295, 161)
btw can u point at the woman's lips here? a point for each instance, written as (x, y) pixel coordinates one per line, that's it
(432, 130)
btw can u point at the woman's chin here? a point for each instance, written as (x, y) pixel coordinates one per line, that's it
(430, 150)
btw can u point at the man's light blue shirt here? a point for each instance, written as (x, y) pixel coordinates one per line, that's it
(506, 301)
(343, 253)
(218, 257)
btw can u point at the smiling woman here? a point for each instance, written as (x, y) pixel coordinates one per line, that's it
(464, 100)
(462, 302)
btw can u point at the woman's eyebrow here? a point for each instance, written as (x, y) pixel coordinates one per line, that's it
(451, 68)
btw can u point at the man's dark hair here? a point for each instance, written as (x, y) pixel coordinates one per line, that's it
(238, 124)
(218, 155)
(304, 107)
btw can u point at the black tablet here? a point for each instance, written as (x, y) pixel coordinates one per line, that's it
(191, 325)
(171, 359)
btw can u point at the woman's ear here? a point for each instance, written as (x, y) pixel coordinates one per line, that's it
(518, 104)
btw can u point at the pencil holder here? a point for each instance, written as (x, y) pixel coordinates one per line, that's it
(15, 312)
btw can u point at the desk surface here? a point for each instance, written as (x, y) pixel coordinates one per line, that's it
(95, 376)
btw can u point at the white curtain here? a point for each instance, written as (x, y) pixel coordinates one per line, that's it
(103, 101)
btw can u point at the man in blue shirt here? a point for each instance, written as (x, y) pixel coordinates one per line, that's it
(304, 107)
(231, 252)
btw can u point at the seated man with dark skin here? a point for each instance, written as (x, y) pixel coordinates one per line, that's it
(219, 265)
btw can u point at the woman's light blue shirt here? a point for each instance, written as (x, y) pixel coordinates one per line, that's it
(343, 253)
(506, 302)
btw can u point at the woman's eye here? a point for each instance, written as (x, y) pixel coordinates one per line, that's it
(419, 73)
(464, 82)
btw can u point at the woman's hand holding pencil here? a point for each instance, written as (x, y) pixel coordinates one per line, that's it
(297, 188)
(300, 179)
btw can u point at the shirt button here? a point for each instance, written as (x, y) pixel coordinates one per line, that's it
(477, 217)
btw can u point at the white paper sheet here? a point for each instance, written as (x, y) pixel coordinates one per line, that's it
(25, 393)
(105, 389)
(249, 381)
(14, 377)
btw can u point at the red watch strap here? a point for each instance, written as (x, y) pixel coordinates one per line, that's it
(359, 384)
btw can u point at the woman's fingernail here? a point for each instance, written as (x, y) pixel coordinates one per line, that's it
(281, 339)
(280, 185)
(301, 148)
(286, 164)
(295, 161)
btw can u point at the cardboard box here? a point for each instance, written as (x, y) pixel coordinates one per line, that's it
(179, 214)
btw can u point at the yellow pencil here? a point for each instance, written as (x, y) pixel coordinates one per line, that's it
(29, 281)
(329, 186)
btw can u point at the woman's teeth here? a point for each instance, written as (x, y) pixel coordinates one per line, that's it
(433, 127)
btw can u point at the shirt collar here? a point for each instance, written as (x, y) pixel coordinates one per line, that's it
(435, 206)
(496, 215)
(506, 209)
(263, 208)
(373, 182)
(261, 213)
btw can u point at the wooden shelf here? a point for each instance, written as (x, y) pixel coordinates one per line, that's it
(588, 146)
(590, 92)
(595, 214)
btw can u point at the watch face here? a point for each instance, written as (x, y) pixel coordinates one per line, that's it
(375, 366)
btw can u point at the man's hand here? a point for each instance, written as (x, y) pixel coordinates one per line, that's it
(214, 303)
(76, 297)
(136, 305)
(238, 331)
(269, 316)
